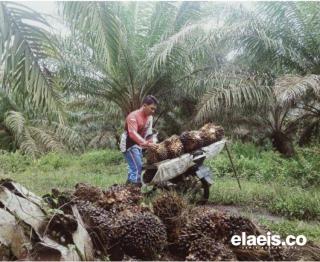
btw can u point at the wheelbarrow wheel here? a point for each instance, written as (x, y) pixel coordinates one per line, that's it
(206, 190)
(195, 190)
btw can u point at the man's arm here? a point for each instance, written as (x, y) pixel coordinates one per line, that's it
(133, 132)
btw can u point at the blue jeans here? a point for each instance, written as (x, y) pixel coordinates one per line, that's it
(134, 158)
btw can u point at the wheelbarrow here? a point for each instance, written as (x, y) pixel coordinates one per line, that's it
(186, 174)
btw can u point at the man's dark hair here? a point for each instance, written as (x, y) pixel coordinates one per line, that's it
(149, 99)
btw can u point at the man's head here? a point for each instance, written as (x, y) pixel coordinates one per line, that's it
(149, 105)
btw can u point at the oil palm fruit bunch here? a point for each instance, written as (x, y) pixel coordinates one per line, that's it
(121, 207)
(62, 200)
(60, 227)
(88, 192)
(239, 224)
(202, 221)
(118, 197)
(245, 253)
(174, 146)
(213, 223)
(157, 154)
(191, 140)
(211, 133)
(98, 222)
(208, 249)
(140, 235)
(170, 208)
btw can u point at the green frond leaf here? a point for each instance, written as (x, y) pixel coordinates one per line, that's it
(160, 54)
(98, 25)
(25, 46)
(15, 121)
(227, 92)
(289, 88)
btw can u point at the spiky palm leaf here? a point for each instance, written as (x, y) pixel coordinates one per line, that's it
(98, 25)
(99, 121)
(229, 92)
(25, 45)
(168, 50)
(291, 88)
(35, 137)
(16, 123)
(274, 118)
(279, 36)
(126, 83)
(304, 93)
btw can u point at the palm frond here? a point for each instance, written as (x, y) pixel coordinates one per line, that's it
(16, 123)
(26, 44)
(35, 137)
(28, 145)
(98, 25)
(280, 34)
(290, 88)
(160, 54)
(66, 134)
(6, 104)
(62, 133)
(46, 139)
(228, 92)
(102, 140)
(187, 13)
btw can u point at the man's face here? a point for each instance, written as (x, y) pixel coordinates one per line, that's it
(149, 109)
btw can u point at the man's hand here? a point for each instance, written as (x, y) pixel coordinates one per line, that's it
(152, 145)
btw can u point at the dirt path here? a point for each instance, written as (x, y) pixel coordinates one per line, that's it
(254, 214)
(248, 211)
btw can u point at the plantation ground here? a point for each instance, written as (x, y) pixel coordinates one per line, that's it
(278, 193)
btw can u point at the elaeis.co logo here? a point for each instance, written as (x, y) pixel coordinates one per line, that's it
(267, 241)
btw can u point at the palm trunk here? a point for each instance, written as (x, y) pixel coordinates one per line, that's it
(307, 133)
(282, 143)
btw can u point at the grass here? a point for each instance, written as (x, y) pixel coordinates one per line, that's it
(41, 182)
(286, 227)
(282, 226)
(264, 165)
(291, 202)
(106, 167)
(64, 171)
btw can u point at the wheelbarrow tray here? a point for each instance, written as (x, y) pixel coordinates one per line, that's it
(171, 168)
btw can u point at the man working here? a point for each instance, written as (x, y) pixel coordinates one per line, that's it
(138, 127)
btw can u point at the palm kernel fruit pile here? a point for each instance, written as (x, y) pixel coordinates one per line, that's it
(118, 223)
(188, 141)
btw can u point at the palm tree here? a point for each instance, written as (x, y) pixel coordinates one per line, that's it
(112, 65)
(119, 35)
(186, 53)
(281, 38)
(97, 120)
(278, 37)
(33, 134)
(24, 48)
(31, 116)
(199, 54)
(276, 116)
(266, 42)
(304, 93)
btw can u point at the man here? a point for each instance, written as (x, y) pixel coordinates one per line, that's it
(138, 128)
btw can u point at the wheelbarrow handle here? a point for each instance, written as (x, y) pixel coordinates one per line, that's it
(233, 167)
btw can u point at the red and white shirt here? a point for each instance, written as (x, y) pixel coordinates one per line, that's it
(137, 127)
